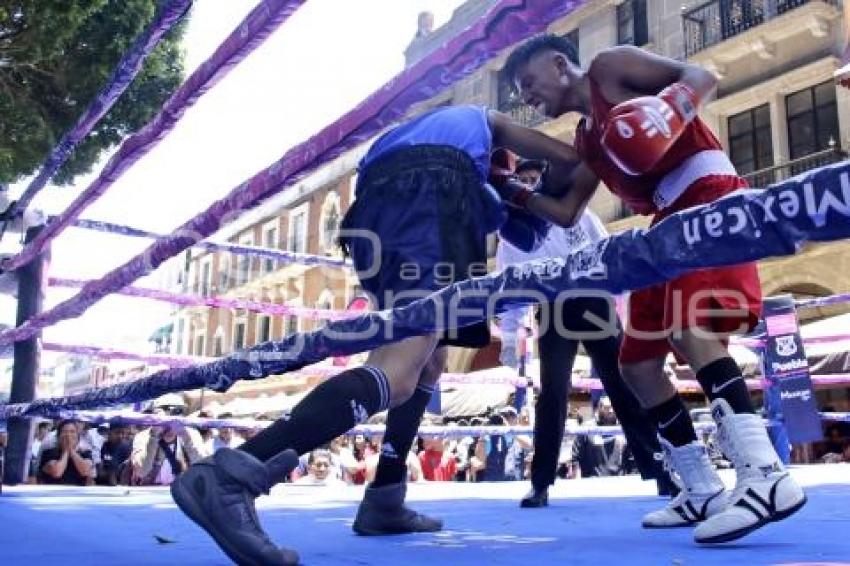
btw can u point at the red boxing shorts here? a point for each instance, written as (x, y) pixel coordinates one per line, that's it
(725, 300)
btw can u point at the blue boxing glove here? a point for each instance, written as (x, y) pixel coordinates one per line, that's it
(513, 192)
(493, 211)
(524, 231)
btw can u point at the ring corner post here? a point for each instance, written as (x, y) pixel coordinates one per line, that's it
(27, 353)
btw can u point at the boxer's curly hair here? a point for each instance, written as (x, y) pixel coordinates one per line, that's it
(525, 52)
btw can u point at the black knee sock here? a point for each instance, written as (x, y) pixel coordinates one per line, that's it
(402, 424)
(674, 421)
(722, 379)
(331, 409)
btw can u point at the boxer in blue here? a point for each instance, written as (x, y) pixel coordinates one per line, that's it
(419, 223)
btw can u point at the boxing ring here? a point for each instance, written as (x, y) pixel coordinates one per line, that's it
(483, 526)
(483, 523)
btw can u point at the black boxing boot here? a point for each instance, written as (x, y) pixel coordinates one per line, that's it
(666, 486)
(535, 498)
(218, 494)
(383, 512)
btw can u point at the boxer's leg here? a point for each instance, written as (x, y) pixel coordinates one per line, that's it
(716, 302)
(403, 422)
(642, 360)
(433, 225)
(382, 510)
(218, 493)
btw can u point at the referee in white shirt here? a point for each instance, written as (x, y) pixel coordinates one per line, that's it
(558, 350)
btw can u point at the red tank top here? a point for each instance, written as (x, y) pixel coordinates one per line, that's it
(636, 192)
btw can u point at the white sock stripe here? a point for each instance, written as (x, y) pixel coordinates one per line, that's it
(383, 386)
(426, 388)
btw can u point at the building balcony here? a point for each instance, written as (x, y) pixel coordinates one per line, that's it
(522, 113)
(782, 171)
(748, 26)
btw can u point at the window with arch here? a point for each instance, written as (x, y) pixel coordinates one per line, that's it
(270, 241)
(218, 343)
(329, 221)
(292, 325)
(206, 276)
(632, 23)
(178, 335)
(299, 218)
(264, 328)
(239, 334)
(200, 344)
(326, 302)
(224, 275)
(244, 262)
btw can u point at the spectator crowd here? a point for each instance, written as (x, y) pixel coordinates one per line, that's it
(75, 453)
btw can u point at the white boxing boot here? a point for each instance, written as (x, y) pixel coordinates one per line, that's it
(702, 491)
(764, 490)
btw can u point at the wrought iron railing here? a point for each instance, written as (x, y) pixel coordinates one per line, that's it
(782, 171)
(718, 20)
(522, 113)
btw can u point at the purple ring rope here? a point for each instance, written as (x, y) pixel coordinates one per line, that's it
(494, 376)
(131, 417)
(268, 253)
(314, 313)
(124, 73)
(267, 16)
(826, 339)
(110, 354)
(215, 302)
(747, 342)
(508, 22)
(823, 301)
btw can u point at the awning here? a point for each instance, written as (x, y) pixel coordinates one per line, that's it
(162, 334)
(833, 326)
(473, 399)
(842, 75)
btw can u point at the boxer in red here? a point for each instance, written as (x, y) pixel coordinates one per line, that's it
(640, 135)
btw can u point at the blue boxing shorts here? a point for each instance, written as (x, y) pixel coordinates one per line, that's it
(418, 225)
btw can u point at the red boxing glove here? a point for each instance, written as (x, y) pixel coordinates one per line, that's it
(640, 131)
(502, 166)
(503, 179)
(682, 99)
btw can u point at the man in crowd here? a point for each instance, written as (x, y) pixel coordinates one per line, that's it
(588, 319)
(38, 437)
(438, 464)
(502, 454)
(161, 453)
(601, 455)
(114, 455)
(319, 470)
(225, 437)
(641, 135)
(66, 462)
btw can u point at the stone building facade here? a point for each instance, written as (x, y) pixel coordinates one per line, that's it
(778, 112)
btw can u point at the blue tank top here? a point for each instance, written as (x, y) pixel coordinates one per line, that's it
(463, 127)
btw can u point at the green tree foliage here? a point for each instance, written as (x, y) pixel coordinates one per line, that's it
(55, 55)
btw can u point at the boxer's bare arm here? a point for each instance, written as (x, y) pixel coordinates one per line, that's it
(568, 209)
(625, 71)
(533, 144)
